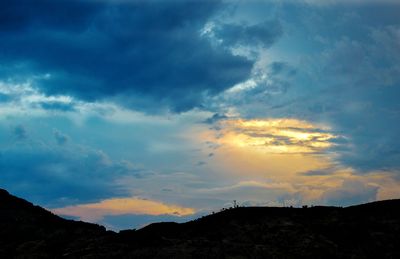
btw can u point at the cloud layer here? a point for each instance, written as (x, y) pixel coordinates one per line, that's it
(122, 206)
(148, 55)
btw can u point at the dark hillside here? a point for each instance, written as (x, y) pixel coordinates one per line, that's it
(28, 230)
(364, 231)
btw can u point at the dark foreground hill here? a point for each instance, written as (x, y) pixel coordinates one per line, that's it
(365, 231)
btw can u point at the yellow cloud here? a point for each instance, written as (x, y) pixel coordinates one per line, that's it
(277, 149)
(276, 135)
(120, 206)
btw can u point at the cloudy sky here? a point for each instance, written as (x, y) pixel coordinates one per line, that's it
(130, 112)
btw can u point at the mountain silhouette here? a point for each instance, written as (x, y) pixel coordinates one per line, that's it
(365, 231)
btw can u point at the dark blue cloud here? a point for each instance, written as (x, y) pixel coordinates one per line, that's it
(21, 15)
(137, 52)
(59, 175)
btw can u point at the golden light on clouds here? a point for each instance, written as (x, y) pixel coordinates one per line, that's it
(121, 206)
(276, 135)
(284, 161)
(277, 149)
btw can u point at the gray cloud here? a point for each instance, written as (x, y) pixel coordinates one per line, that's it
(347, 77)
(54, 175)
(146, 55)
(319, 172)
(351, 192)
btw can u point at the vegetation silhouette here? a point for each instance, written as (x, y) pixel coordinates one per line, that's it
(364, 231)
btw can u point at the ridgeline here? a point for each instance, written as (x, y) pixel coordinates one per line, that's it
(365, 231)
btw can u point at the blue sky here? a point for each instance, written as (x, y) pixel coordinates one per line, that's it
(130, 112)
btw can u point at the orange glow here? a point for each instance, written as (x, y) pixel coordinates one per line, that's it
(277, 149)
(120, 206)
(283, 155)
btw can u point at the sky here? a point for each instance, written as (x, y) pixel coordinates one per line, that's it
(127, 112)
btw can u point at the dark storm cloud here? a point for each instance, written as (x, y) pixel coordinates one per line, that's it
(149, 55)
(20, 15)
